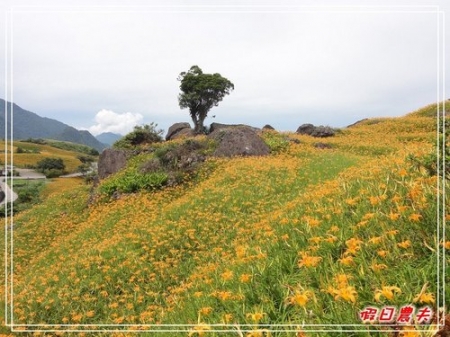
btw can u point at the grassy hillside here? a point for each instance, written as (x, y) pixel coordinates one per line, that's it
(306, 236)
(32, 153)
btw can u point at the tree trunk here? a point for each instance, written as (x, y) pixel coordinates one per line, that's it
(195, 121)
(199, 126)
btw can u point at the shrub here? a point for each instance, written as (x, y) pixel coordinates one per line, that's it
(145, 134)
(27, 149)
(51, 167)
(133, 182)
(51, 163)
(275, 141)
(85, 159)
(29, 194)
(53, 173)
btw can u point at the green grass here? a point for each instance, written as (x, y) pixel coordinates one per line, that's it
(63, 145)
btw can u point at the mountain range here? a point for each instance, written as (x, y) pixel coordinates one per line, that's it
(108, 138)
(27, 124)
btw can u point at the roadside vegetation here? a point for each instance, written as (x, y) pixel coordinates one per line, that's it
(306, 235)
(28, 192)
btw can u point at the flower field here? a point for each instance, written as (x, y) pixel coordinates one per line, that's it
(36, 152)
(297, 243)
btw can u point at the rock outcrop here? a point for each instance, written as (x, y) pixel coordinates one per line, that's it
(111, 161)
(178, 161)
(315, 131)
(268, 127)
(238, 141)
(218, 126)
(179, 130)
(305, 129)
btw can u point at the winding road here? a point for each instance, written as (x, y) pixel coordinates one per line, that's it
(10, 195)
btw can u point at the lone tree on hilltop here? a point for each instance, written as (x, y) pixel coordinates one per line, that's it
(200, 92)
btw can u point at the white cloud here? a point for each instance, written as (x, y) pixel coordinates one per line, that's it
(110, 121)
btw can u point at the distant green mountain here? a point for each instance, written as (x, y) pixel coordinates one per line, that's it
(108, 138)
(27, 124)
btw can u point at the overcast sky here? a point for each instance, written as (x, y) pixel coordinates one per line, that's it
(110, 67)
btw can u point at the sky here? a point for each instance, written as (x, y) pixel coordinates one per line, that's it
(106, 66)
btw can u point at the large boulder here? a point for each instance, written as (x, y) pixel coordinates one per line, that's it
(305, 129)
(184, 133)
(218, 126)
(315, 131)
(179, 130)
(238, 141)
(111, 161)
(268, 127)
(323, 131)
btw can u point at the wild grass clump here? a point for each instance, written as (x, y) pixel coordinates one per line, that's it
(276, 142)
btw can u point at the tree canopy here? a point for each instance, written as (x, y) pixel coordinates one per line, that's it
(200, 92)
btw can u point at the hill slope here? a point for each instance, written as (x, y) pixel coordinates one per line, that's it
(80, 137)
(32, 153)
(27, 124)
(310, 235)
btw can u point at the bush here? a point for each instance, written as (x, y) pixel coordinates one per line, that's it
(275, 141)
(27, 149)
(50, 163)
(53, 173)
(85, 159)
(35, 141)
(133, 182)
(29, 194)
(146, 134)
(51, 167)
